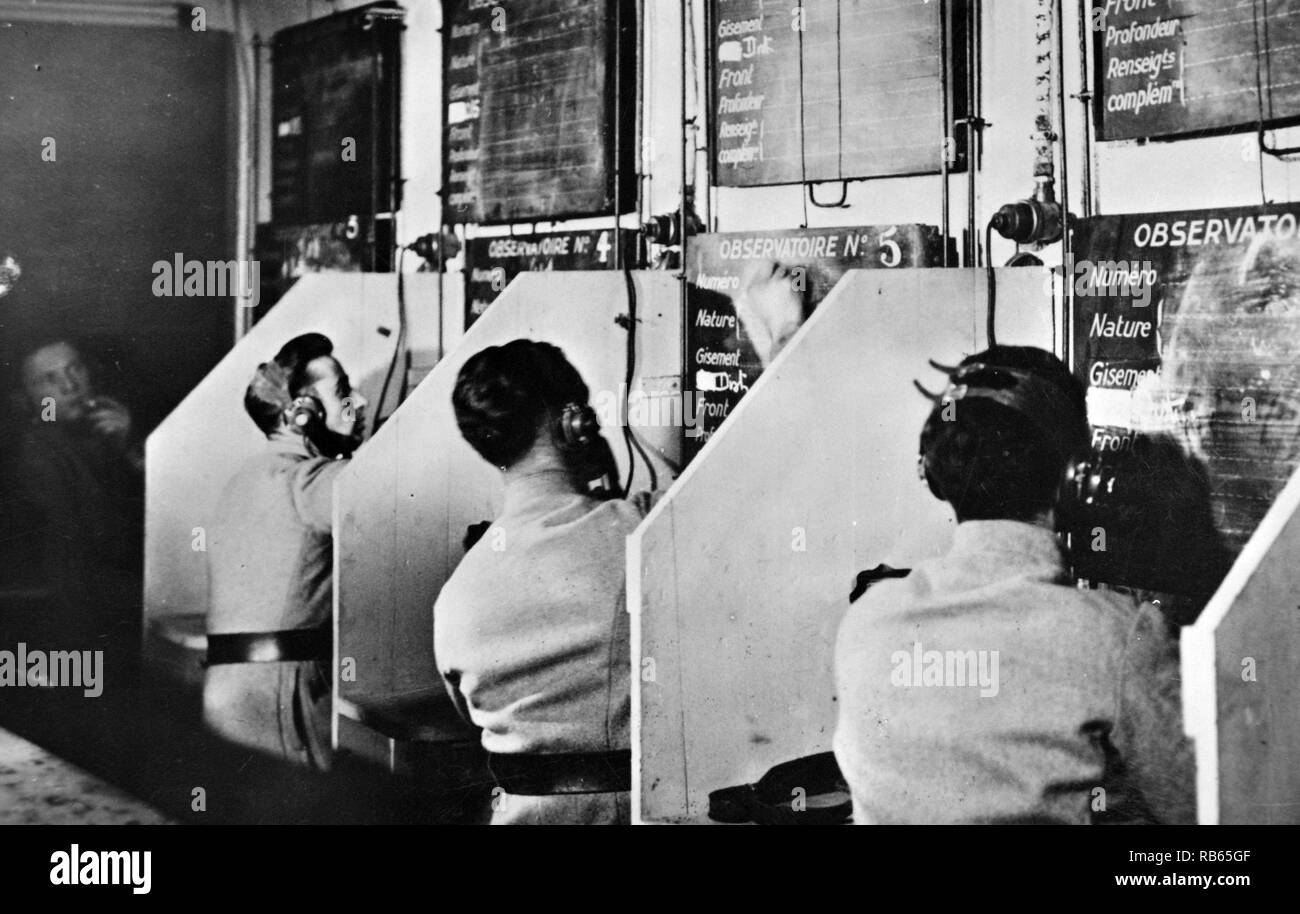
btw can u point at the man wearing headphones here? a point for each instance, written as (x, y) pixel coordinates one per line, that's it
(531, 630)
(984, 686)
(267, 683)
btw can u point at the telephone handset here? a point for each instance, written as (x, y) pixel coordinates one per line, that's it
(578, 436)
(1141, 518)
(1087, 486)
(601, 472)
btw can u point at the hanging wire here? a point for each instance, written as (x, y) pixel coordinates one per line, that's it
(803, 141)
(630, 438)
(990, 319)
(807, 187)
(841, 203)
(1261, 53)
(399, 348)
(839, 101)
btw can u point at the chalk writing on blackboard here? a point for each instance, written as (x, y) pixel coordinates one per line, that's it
(534, 127)
(726, 349)
(1174, 67)
(818, 91)
(1206, 358)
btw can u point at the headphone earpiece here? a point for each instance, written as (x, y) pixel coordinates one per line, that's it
(304, 412)
(923, 473)
(578, 427)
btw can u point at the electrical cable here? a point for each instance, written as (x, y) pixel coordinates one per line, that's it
(630, 370)
(697, 98)
(803, 136)
(398, 346)
(1260, 53)
(629, 437)
(807, 187)
(1263, 191)
(991, 313)
(839, 99)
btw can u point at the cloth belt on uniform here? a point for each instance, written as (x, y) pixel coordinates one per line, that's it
(547, 775)
(270, 647)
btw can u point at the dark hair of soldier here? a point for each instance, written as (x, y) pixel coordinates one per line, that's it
(266, 401)
(505, 395)
(990, 461)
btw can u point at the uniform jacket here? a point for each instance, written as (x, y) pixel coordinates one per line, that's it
(531, 635)
(270, 546)
(270, 563)
(985, 687)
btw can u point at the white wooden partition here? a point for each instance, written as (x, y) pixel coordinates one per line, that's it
(200, 445)
(738, 579)
(404, 504)
(1241, 680)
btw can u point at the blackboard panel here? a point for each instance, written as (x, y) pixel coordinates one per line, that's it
(531, 117)
(856, 92)
(1172, 67)
(1189, 338)
(334, 87)
(289, 181)
(722, 362)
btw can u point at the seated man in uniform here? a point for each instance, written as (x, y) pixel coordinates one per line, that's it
(267, 684)
(531, 632)
(985, 687)
(79, 472)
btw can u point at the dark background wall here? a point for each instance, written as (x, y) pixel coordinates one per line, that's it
(142, 119)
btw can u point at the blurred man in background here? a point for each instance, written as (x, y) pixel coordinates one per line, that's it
(78, 474)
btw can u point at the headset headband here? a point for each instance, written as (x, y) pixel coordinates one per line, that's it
(1028, 393)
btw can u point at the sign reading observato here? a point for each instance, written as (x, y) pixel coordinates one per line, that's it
(1170, 67)
(727, 271)
(491, 263)
(1187, 333)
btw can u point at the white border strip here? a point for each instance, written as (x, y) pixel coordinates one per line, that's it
(1199, 655)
